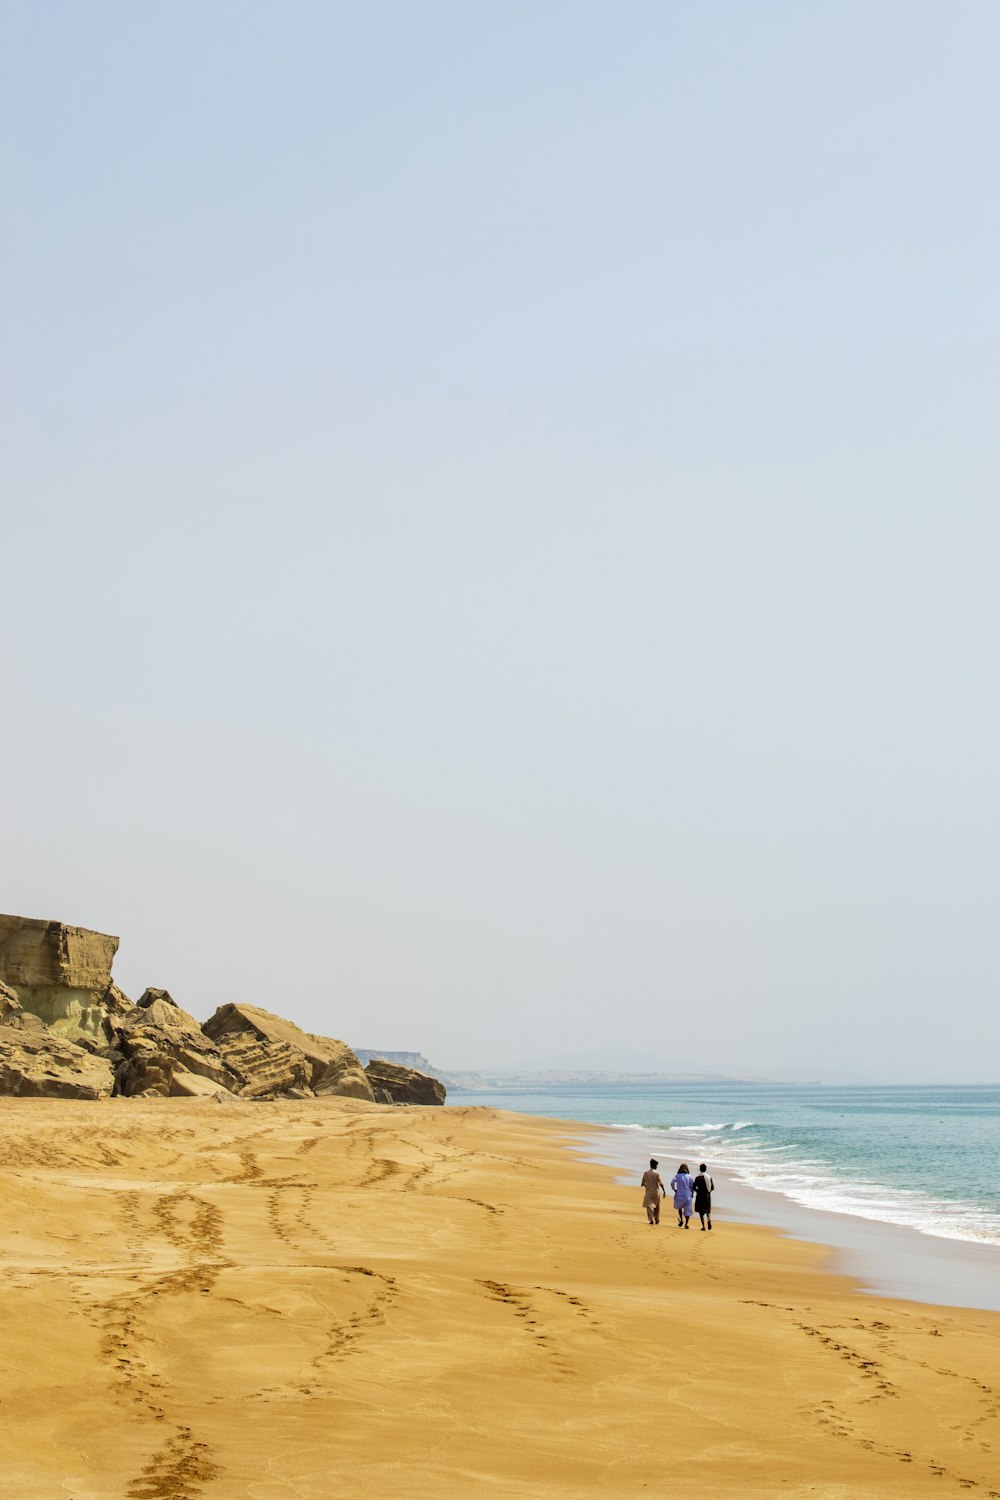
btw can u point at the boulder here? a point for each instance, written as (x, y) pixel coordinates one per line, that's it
(393, 1084)
(150, 997)
(164, 1051)
(144, 1071)
(341, 1073)
(270, 1066)
(278, 1060)
(115, 1005)
(62, 974)
(36, 1062)
(185, 1085)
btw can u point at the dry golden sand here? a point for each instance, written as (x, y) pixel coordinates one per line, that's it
(339, 1300)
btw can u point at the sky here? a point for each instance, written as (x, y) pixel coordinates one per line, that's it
(499, 522)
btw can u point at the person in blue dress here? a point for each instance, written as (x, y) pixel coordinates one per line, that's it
(683, 1186)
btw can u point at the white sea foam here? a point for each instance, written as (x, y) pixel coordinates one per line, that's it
(816, 1185)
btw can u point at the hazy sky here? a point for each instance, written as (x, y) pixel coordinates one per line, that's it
(500, 524)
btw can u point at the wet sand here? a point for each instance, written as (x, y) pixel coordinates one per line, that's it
(888, 1259)
(326, 1299)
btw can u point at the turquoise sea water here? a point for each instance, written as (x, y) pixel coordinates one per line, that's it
(927, 1158)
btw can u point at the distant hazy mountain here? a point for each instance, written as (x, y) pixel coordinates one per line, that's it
(595, 1060)
(416, 1060)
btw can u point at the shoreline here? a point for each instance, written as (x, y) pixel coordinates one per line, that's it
(920, 1159)
(885, 1259)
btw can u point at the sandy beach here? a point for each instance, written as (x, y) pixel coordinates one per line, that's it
(294, 1301)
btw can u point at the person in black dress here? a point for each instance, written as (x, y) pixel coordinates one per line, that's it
(704, 1187)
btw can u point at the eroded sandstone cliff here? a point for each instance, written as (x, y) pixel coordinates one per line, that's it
(61, 974)
(36, 1062)
(68, 1031)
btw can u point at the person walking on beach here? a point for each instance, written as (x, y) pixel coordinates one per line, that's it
(652, 1187)
(682, 1185)
(704, 1187)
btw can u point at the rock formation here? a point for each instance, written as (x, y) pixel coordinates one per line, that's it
(36, 1062)
(164, 1051)
(68, 1031)
(392, 1084)
(61, 974)
(278, 1060)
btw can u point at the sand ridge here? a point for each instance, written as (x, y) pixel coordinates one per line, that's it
(294, 1301)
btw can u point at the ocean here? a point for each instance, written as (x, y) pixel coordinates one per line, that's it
(923, 1158)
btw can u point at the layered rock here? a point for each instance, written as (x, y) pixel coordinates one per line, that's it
(341, 1072)
(62, 974)
(66, 1029)
(277, 1059)
(393, 1084)
(36, 1062)
(165, 1052)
